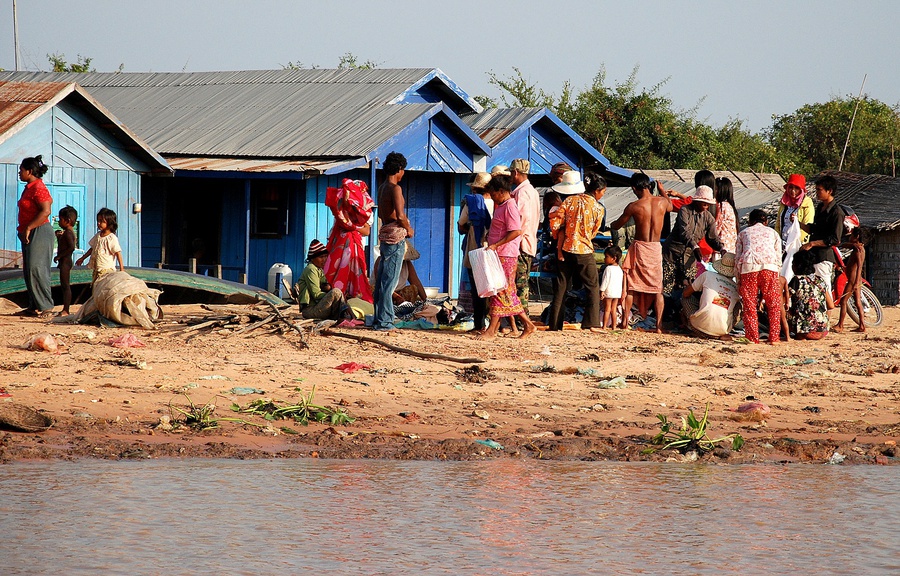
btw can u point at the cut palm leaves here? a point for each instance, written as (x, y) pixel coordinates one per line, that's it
(693, 434)
(303, 412)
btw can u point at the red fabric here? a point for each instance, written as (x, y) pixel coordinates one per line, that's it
(752, 283)
(29, 208)
(351, 367)
(345, 267)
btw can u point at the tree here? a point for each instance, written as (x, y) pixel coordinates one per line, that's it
(58, 61)
(816, 133)
(349, 61)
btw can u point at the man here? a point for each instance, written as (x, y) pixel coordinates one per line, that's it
(395, 228)
(316, 297)
(643, 264)
(826, 230)
(579, 216)
(529, 204)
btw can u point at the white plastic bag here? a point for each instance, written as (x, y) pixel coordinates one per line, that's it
(489, 276)
(791, 247)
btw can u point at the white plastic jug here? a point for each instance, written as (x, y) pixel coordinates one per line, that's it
(276, 273)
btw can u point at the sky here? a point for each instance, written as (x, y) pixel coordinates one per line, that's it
(731, 60)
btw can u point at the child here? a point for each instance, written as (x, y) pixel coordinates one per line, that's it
(611, 286)
(810, 299)
(853, 268)
(65, 247)
(104, 246)
(317, 299)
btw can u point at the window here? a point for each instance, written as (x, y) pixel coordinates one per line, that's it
(268, 210)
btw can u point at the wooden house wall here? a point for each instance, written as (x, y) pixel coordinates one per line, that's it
(883, 262)
(538, 147)
(78, 151)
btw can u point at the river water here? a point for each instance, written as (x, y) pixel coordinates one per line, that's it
(496, 517)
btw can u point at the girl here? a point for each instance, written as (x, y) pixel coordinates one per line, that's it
(726, 214)
(104, 246)
(504, 237)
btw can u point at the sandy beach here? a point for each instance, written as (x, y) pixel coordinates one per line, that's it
(526, 400)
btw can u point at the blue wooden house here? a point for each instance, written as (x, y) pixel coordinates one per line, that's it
(94, 160)
(254, 151)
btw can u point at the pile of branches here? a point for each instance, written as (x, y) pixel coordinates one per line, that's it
(260, 318)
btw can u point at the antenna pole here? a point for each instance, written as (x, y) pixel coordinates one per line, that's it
(855, 109)
(16, 34)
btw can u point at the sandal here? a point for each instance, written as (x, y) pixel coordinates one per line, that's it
(45, 315)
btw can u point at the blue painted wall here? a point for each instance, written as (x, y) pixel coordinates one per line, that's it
(78, 151)
(539, 146)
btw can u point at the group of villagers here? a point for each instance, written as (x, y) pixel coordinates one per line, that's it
(708, 270)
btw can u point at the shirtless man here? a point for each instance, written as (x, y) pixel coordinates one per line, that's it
(395, 228)
(643, 264)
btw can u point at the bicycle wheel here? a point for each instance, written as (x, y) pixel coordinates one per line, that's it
(874, 315)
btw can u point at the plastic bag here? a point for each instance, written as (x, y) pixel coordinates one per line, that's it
(43, 341)
(489, 276)
(791, 247)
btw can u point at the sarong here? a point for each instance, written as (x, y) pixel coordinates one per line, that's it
(392, 233)
(643, 267)
(506, 303)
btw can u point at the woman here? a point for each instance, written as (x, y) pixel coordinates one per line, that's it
(474, 221)
(810, 299)
(794, 204)
(757, 263)
(36, 234)
(345, 267)
(726, 214)
(504, 237)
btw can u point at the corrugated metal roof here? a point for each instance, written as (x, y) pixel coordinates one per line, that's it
(21, 102)
(495, 124)
(875, 198)
(19, 99)
(268, 113)
(251, 165)
(751, 180)
(745, 199)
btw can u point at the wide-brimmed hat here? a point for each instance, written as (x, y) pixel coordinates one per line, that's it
(411, 252)
(570, 184)
(316, 249)
(520, 165)
(724, 265)
(480, 181)
(797, 180)
(704, 194)
(500, 169)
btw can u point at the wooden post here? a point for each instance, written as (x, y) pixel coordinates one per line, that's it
(219, 271)
(192, 265)
(159, 265)
(242, 277)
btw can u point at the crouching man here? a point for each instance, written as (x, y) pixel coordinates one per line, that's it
(318, 300)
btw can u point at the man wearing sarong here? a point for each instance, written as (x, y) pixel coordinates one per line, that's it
(643, 263)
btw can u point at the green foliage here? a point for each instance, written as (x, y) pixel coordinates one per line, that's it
(58, 61)
(198, 417)
(816, 134)
(693, 435)
(302, 412)
(348, 60)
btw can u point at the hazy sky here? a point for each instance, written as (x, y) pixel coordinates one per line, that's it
(745, 60)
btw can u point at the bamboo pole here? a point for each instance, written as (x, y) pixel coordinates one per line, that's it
(852, 118)
(400, 349)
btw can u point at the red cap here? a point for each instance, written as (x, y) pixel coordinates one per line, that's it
(797, 180)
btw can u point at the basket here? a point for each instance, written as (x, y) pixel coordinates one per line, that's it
(23, 418)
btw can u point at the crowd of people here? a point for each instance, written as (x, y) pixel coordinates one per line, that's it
(684, 261)
(708, 273)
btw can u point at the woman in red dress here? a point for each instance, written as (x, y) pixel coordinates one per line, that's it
(345, 267)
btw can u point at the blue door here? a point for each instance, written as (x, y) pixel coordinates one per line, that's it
(73, 195)
(428, 207)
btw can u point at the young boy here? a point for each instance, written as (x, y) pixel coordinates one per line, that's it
(611, 286)
(65, 247)
(317, 299)
(853, 268)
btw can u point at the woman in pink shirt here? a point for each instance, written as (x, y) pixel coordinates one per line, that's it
(504, 236)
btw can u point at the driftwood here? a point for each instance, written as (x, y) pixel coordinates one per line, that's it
(295, 327)
(400, 349)
(255, 325)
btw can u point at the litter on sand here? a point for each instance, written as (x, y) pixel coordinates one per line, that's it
(351, 367)
(490, 444)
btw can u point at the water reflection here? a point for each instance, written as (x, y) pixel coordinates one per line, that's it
(498, 517)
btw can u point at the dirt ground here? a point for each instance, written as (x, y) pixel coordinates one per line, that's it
(526, 400)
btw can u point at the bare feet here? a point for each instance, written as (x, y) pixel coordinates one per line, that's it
(860, 329)
(527, 331)
(837, 329)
